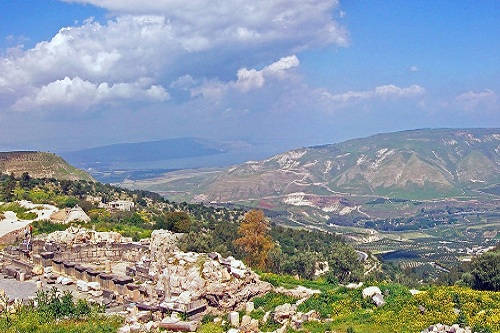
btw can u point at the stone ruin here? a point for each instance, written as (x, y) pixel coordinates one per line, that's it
(151, 279)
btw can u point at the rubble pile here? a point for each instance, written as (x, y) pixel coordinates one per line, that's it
(223, 283)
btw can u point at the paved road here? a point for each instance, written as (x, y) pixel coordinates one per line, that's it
(16, 289)
(11, 223)
(362, 256)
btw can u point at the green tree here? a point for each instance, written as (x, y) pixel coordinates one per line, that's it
(486, 271)
(344, 263)
(174, 221)
(254, 240)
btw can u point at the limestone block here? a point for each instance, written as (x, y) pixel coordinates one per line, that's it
(124, 329)
(150, 325)
(94, 285)
(135, 327)
(282, 313)
(182, 326)
(143, 316)
(239, 273)
(234, 319)
(136, 295)
(245, 320)
(132, 309)
(66, 281)
(82, 285)
(96, 293)
(37, 270)
(225, 276)
(249, 307)
(253, 326)
(107, 266)
(237, 264)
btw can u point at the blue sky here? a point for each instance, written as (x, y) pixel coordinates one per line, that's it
(283, 73)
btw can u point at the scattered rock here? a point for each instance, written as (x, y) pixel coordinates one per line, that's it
(82, 285)
(370, 291)
(234, 319)
(440, 328)
(37, 270)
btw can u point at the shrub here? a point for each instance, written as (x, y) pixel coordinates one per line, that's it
(46, 227)
(27, 216)
(56, 312)
(210, 328)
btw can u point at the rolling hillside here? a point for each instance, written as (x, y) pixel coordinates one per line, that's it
(418, 164)
(411, 164)
(40, 165)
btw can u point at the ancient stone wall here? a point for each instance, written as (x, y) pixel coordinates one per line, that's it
(92, 252)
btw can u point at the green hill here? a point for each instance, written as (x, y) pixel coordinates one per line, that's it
(419, 164)
(39, 165)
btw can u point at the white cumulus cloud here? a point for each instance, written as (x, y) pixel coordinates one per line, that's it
(385, 91)
(82, 95)
(473, 100)
(201, 23)
(248, 79)
(157, 42)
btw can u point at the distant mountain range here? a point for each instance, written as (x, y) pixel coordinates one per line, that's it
(39, 165)
(143, 151)
(417, 164)
(114, 163)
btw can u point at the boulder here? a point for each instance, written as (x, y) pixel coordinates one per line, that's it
(66, 281)
(249, 307)
(370, 291)
(82, 285)
(94, 285)
(378, 299)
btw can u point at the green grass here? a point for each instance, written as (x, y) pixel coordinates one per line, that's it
(290, 282)
(271, 300)
(60, 314)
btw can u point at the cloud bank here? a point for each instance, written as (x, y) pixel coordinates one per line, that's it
(150, 44)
